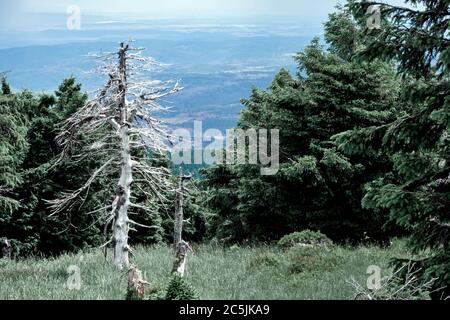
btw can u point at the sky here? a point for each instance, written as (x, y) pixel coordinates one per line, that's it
(180, 8)
(19, 14)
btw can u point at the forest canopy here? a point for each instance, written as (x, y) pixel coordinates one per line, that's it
(364, 151)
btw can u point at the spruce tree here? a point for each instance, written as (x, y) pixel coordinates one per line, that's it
(13, 147)
(417, 192)
(317, 186)
(5, 86)
(29, 224)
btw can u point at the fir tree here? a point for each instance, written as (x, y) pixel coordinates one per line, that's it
(13, 147)
(317, 187)
(5, 86)
(417, 193)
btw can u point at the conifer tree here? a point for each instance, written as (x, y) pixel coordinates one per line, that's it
(13, 147)
(5, 86)
(317, 187)
(417, 193)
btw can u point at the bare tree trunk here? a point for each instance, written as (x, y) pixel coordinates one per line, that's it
(181, 247)
(178, 224)
(121, 227)
(136, 284)
(117, 125)
(179, 265)
(6, 248)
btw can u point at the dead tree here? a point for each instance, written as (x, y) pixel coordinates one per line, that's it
(6, 248)
(121, 120)
(136, 284)
(181, 247)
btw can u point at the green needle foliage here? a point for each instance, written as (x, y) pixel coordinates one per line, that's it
(417, 191)
(180, 289)
(317, 187)
(13, 147)
(29, 174)
(29, 177)
(364, 156)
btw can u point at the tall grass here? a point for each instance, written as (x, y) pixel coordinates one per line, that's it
(263, 272)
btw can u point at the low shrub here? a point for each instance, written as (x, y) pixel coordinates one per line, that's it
(304, 238)
(180, 289)
(156, 293)
(313, 259)
(267, 259)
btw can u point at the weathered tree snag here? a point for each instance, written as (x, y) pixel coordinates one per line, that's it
(178, 222)
(6, 248)
(181, 251)
(136, 284)
(180, 247)
(120, 122)
(121, 226)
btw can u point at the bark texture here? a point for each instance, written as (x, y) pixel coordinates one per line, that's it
(180, 246)
(120, 121)
(6, 248)
(136, 284)
(121, 227)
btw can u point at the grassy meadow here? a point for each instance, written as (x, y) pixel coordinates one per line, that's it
(264, 272)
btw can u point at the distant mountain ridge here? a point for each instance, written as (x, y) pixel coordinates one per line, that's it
(216, 63)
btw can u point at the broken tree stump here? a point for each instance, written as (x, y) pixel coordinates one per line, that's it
(180, 246)
(6, 248)
(136, 284)
(179, 264)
